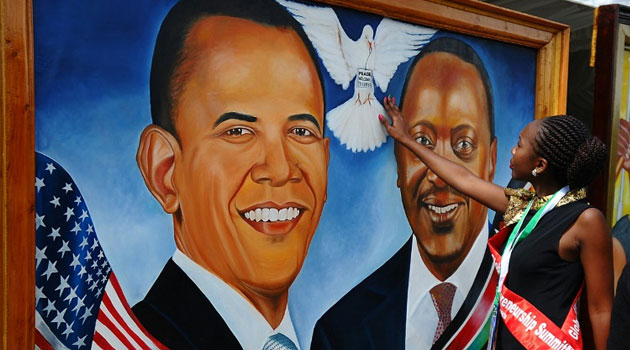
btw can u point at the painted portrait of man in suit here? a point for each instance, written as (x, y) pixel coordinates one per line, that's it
(444, 268)
(236, 155)
(258, 218)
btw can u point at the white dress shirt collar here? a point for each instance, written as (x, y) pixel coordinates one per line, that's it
(420, 309)
(249, 327)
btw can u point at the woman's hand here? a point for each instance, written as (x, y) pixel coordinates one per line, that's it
(398, 129)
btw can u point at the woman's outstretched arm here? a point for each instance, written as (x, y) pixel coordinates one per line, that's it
(455, 175)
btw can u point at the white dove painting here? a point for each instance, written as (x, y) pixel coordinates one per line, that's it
(372, 59)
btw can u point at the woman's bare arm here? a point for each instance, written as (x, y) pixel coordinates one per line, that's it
(595, 252)
(455, 175)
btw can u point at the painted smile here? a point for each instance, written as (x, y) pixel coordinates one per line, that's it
(442, 216)
(273, 219)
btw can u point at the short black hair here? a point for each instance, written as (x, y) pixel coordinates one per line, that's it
(168, 54)
(467, 54)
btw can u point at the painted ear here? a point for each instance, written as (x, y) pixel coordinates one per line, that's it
(156, 160)
(493, 159)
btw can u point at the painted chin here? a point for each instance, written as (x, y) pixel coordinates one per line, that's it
(442, 217)
(272, 219)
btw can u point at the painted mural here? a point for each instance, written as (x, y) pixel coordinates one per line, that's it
(621, 202)
(213, 174)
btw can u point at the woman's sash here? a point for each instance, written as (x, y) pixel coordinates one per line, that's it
(529, 325)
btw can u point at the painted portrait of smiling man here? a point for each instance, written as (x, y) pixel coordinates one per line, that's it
(236, 154)
(441, 279)
(447, 103)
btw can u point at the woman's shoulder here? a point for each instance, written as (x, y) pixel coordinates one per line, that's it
(591, 225)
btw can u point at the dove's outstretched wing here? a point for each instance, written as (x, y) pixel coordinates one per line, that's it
(395, 43)
(329, 39)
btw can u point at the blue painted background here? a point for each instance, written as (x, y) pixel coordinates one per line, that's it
(92, 62)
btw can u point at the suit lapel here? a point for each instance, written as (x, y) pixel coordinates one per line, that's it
(178, 314)
(385, 325)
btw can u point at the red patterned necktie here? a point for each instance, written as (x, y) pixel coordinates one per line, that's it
(442, 295)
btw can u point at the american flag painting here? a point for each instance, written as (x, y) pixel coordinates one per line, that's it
(79, 303)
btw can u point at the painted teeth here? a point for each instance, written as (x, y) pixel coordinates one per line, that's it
(442, 210)
(272, 214)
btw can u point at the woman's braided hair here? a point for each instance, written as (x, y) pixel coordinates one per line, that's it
(574, 157)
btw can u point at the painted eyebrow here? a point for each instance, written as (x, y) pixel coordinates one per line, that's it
(426, 125)
(306, 117)
(236, 116)
(461, 128)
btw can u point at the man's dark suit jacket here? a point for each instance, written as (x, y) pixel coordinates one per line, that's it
(373, 314)
(177, 313)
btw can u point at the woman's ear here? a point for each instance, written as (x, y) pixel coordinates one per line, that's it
(541, 165)
(156, 156)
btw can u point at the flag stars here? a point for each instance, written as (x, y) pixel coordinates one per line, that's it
(80, 342)
(84, 214)
(68, 330)
(40, 254)
(90, 229)
(69, 212)
(75, 262)
(54, 233)
(93, 285)
(88, 256)
(55, 201)
(84, 243)
(72, 295)
(64, 248)
(67, 188)
(63, 285)
(76, 229)
(77, 200)
(101, 255)
(39, 183)
(80, 304)
(59, 318)
(82, 272)
(50, 307)
(50, 168)
(94, 264)
(87, 313)
(39, 221)
(39, 294)
(52, 268)
(94, 244)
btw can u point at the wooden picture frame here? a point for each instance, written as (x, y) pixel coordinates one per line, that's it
(613, 35)
(550, 39)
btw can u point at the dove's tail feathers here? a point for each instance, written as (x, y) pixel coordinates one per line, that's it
(356, 125)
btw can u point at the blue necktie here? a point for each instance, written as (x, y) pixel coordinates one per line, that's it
(279, 341)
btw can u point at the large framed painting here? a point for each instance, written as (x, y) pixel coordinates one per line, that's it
(611, 122)
(200, 173)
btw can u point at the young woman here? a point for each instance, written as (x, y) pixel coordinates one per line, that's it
(550, 256)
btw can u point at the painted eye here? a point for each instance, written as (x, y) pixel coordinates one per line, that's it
(301, 132)
(238, 132)
(423, 140)
(464, 147)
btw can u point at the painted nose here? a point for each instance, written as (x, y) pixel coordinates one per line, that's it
(435, 180)
(277, 168)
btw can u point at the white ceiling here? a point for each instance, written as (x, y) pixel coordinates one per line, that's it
(595, 3)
